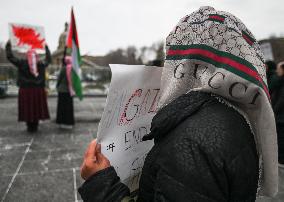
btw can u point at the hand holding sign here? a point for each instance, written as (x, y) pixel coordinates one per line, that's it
(131, 104)
(94, 160)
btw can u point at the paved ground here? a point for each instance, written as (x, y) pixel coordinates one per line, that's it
(45, 167)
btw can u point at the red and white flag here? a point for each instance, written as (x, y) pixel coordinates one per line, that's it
(26, 37)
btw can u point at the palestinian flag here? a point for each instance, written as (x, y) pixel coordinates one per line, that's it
(72, 47)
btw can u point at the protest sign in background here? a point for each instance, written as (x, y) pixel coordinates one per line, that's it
(267, 51)
(131, 104)
(24, 37)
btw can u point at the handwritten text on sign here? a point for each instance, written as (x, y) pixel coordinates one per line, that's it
(131, 104)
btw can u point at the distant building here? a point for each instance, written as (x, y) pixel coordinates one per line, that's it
(3, 58)
(58, 54)
(7, 71)
(273, 49)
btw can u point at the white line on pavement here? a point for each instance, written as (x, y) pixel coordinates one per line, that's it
(75, 185)
(17, 170)
(43, 172)
(11, 146)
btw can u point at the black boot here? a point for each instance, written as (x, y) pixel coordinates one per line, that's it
(32, 127)
(29, 127)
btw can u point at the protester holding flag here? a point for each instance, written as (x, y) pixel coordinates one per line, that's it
(32, 101)
(72, 47)
(65, 109)
(69, 80)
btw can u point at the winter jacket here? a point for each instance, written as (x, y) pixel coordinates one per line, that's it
(271, 76)
(204, 152)
(273, 82)
(25, 78)
(278, 101)
(62, 82)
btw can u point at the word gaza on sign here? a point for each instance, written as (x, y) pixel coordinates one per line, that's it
(131, 104)
(25, 37)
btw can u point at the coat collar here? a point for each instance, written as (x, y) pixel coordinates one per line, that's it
(176, 112)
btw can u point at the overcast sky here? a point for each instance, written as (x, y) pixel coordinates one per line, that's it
(104, 25)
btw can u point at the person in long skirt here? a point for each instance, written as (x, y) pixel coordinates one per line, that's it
(32, 99)
(65, 109)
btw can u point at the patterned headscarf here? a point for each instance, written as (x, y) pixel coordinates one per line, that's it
(214, 52)
(68, 63)
(32, 61)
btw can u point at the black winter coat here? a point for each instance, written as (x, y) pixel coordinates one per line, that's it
(25, 78)
(278, 101)
(204, 152)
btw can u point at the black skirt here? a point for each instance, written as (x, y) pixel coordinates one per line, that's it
(65, 110)
(32, 104)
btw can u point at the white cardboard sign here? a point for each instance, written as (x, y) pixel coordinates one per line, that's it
(131, 104)
(24, 37)
(267, 51)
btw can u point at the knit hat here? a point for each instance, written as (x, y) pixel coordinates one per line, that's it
(213, 51)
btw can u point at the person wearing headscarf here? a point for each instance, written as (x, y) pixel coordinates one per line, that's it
(214, 132)
(32, 98)
(278, 107)
(65, 109)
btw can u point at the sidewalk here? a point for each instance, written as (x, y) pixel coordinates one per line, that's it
(44, 166)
